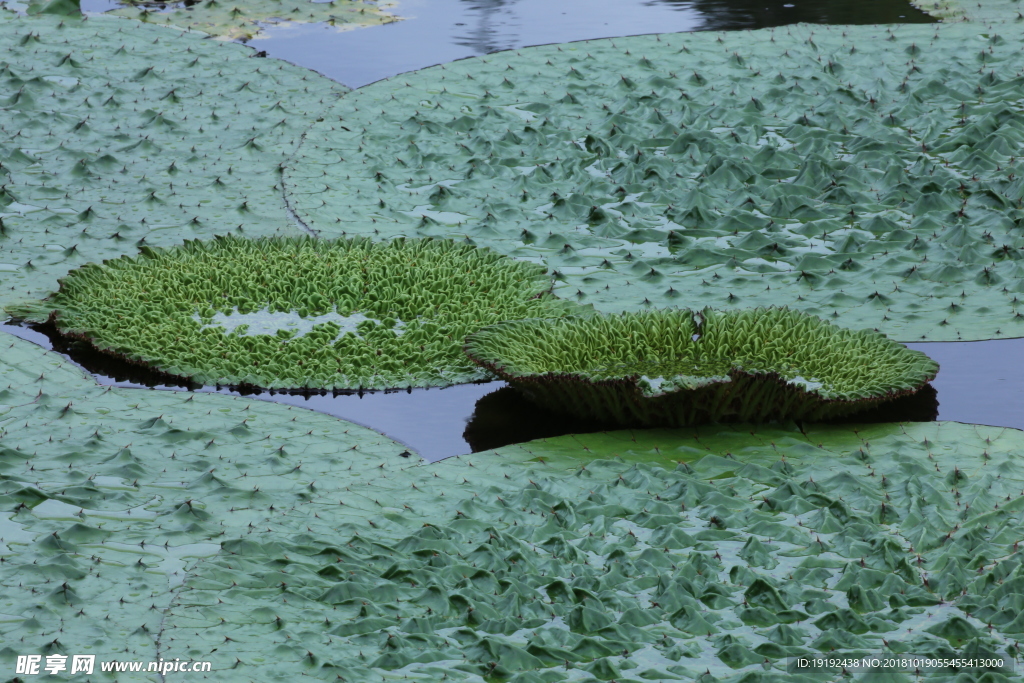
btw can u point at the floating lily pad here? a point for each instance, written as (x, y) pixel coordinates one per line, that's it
(867, 174)
(760, 545)
(271, 540)
(117, 136)
(303, 313)
(243, 19)
(110, 497)
(668, 368)
(988, 13)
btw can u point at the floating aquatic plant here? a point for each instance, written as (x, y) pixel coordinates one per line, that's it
(662, 368)
(302, 313)
(867, 174)
(116, 135)
(661, 554)
(243, 18)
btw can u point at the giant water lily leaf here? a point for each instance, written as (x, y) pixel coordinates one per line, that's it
(303, 313)
(116, 136)
(988, 14)
(269, 540)
(243, 19)
(870, 175)
(109, 497)
(758, 546)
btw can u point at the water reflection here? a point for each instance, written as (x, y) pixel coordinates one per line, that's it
(493, 26)
(506, 417)
(921, 406)
(728, 15)
(437, 31)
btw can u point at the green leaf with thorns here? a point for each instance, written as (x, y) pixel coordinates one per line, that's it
(269, 539)
(303, 313)
(666, 368)
(232, 19)
(116, 135)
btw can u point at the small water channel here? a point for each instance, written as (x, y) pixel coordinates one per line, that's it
(980, 382)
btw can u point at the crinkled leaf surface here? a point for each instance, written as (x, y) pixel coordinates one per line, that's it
(986, 13)
(108, 497)
(283, 544)
(506, 564)
(242, 19)
(867, 174)
(115, 136)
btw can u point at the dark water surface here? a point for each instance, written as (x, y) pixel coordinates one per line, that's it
(437, 31)
(980, 382)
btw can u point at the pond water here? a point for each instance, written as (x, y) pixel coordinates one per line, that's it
(437, 31)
